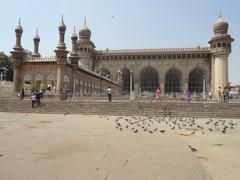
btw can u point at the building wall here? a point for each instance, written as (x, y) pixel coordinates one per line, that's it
(38, 76)
(185, 66)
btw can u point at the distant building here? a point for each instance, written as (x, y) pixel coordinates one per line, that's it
(87, 70)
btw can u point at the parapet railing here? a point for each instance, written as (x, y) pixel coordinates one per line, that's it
(41, 59)
(154, 50)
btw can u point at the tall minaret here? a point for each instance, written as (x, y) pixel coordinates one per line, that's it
(86, 47)
(73, 55)
(61, 56)
(18, 54)
(61, 53)
(18, 31)
(36, 41)
(220, 46)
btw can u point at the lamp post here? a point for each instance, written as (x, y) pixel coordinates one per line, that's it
(204, 87)
(74, 88)
(131, 92)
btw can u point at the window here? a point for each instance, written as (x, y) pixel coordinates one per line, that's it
(149, 79)
(173, 81)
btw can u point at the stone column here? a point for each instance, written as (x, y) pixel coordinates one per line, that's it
(185, 85)
(162, 86)
(60, 79)
(15, 78)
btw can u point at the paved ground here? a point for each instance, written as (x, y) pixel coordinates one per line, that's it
(69, 147)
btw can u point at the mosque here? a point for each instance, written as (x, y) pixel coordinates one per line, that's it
(85, 70)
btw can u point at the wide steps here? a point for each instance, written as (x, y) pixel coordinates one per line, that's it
(223, 110)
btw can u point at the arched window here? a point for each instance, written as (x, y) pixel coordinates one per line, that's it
(173, 82)
(149, 79)
(195, 83)
(126, 80)
(105, 72)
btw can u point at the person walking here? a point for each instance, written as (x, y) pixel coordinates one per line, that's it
(219, 92)
(158, 94)
(188, 94)
(109, 92)
(38, 98)
(22, 94)
(33, 97)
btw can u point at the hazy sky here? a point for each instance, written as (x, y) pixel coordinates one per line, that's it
(122, 24)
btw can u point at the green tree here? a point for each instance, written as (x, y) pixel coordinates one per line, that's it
(6, 67)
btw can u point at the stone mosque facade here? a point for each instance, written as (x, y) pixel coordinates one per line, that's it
(85, 70)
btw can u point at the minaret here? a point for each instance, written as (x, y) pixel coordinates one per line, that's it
(73, 55)
(61, 53)
(220, 46)
(18, 54)
(61, 56)
(18, 31)
(36, 41)
(86, 47)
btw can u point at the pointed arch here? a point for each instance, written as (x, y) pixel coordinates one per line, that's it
(105, 72)
(173, 81)
(39, 77)
(195, 83)
(126, 80)
(149, 79)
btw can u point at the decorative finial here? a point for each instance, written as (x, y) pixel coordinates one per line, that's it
(62, 18)
(74, 29)
(37, 31)
(85, 20)
(220, 13)
(19, 21)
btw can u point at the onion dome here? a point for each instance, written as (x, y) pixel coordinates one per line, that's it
(221, 26)
(19, 29)
(36, 37)
(62, 26)
(84, 32)
(74, 35)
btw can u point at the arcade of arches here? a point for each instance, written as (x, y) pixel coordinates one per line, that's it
(150, 80)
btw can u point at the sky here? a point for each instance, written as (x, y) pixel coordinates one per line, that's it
(122, 24)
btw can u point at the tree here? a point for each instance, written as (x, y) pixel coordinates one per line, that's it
(6, 67)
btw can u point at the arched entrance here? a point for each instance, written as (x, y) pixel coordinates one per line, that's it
(195, 83)
(126, 81)
(149, 79)
(39, 82)
(173, 82)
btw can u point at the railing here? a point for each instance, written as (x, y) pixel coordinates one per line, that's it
(41, 59)
(154, 50)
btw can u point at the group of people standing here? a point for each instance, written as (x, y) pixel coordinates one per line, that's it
(187, 94)
(35, 98)
(223, 96)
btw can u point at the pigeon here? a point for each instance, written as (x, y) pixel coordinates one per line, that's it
(135, 131)
(192, 148)
(192, 133)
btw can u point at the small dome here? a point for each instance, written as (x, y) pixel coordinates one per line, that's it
(62, 26)
(221, 26)
(84, 32)
(19, 29)
(74, 37)
(36, 37)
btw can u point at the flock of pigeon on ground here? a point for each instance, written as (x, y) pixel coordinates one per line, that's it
(168, 124)
(165, 124)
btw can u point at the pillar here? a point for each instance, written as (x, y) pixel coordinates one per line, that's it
(59, 79)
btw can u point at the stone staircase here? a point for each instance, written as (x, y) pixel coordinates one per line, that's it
(172, 108)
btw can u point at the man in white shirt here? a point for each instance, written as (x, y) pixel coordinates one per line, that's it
(109, 92)
(33, 97)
